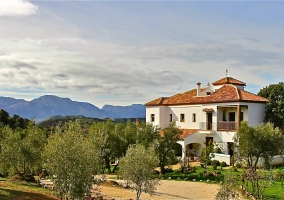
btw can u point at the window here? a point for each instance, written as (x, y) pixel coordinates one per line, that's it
(232, 117)
(171, 117)
(208, 93)
(193, 117)
(181, 117)
(152, 117)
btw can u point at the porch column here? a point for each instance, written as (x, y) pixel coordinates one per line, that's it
(239, 115)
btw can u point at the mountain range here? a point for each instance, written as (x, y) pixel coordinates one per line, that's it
(49, 105)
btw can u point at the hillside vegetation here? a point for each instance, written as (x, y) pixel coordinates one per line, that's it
(85, 122)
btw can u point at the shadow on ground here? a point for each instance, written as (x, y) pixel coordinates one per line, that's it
(7, 194)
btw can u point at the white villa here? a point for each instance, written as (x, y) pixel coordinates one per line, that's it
(211, 113)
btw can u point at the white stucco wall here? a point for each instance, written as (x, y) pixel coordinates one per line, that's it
(219, 86)
(221, 158)
(188, 113)
(224, 136)
(256, 113)
(164, 117)
(153, 110)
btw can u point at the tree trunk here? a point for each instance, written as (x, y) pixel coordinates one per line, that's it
(162, 169)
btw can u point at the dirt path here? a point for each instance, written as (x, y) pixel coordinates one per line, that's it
(167, 190)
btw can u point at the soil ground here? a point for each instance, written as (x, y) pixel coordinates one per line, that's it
(166, 190)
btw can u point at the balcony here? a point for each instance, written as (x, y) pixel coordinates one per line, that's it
(227, 126)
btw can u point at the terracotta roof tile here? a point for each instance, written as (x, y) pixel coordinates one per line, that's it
(158, 101)
(228, 80)
(227, 93)
(186, 132)
(247, 96)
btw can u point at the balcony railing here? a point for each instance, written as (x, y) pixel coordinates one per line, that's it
(207, 126)
(228, 126)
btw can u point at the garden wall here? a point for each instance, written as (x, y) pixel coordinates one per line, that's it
(222, 157)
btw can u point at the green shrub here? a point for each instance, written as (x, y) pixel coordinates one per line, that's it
(218, 150)
(192, 176)
(168, 170)
(223, 164)
(215, 162)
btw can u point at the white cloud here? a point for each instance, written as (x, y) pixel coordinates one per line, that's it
(17, 8)
(101, 73)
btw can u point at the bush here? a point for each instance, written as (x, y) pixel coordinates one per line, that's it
(214, 167)
(215, 162)
(209, 162)
(218, 150)
(168, 170)
(223, 164)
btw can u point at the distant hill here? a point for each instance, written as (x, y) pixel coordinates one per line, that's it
(47, 106)
(133, 111)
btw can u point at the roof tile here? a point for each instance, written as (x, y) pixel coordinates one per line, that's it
(227, 93)
(228, 80)
(186, 132)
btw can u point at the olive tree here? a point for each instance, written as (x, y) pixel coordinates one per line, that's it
(253, 144)
(11, 158)
(137, 168)
(166, 145)
(20, 150)
(72, 159)
(109, 137)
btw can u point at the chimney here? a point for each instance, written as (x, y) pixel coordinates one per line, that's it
(198, 89)
(137, 122)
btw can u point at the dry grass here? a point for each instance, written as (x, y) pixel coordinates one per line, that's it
(23, 191)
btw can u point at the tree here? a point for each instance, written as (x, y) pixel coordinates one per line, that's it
(32, 145)
(109, 137)
(72, 159)
(275, 107)
(21, 149)
(11, 157)
(4, 117)
(147, 134)
(137, 168)
(251, 144)
(166, 145)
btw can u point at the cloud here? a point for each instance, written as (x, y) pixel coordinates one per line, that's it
(17, 8)
(100, 72)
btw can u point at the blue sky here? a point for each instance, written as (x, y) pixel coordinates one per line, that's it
(124, 52)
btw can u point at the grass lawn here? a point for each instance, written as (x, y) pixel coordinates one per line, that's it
(274, 192)
(19, 190)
